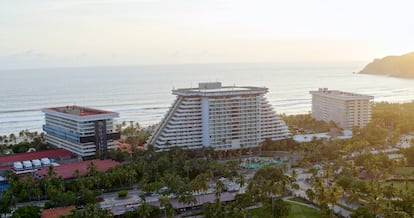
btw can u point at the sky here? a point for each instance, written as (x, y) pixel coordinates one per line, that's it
(64, 33)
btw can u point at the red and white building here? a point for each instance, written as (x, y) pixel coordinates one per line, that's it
(81, 130)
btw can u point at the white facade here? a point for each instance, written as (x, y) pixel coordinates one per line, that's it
(218, 117)
(344, 108)
(75, 129)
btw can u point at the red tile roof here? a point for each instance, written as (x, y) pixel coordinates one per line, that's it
(57, 212)
(67, 170)
(50, 153)
(79, 110)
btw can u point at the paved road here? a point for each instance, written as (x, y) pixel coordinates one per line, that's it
(32, 203)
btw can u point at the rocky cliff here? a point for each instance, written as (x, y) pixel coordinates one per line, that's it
(398, 66)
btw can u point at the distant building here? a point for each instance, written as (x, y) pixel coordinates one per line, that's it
(81, 130)
(344, 108)
(219, 117)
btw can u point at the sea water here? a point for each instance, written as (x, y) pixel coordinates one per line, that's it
(143, 93)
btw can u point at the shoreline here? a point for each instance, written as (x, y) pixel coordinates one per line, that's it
(146, 124)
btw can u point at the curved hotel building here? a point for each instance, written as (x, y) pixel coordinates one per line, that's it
(220, 117)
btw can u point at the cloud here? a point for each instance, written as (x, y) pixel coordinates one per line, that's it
(27, 54)
(62, 4)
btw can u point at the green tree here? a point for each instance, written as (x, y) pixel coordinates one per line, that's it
(91, 168)
(7, 201)
(268, 181)
(187, 198)
(409, 155)
(167, 207)
(87, 197)
(363, 212)
(27, 212)
(219, 188)
(145, 210)
(61, 199)
(277, 206)
(310, 194)
(51, 173)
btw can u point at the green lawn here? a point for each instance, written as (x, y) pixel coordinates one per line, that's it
(260, 212)
(301, 200)
(296, 210)
(404, 171)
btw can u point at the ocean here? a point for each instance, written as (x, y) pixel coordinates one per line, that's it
(143, 93)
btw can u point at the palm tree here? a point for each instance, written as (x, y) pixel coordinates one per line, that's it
(169, 210)
(91, 168)
(200, 182)
(294, 175)
(320, 194)
(145, 210)
(28, 185)
(219, 189)
(187, 198)
(353, 196)
(310, 194)
(187, 167)
(12, 137)
(21, 133)
(7, 201)
(333, 195)
(241, 180)
(78, 180)
(51, 173)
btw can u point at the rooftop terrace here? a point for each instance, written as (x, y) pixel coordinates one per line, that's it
(216, 88)
(341, 94)
(78, 110)
(8, 160)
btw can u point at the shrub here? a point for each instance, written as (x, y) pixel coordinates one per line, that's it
(122, 193)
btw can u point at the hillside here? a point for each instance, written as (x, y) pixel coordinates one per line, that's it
(398, 66)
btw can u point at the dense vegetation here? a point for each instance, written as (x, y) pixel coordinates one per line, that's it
(134, 134)
(175, 169)
(22, 143)
(304, 123)
(398, 118)
(350, 169)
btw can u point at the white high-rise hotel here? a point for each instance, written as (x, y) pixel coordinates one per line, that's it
(344, 108)
(220, 117)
